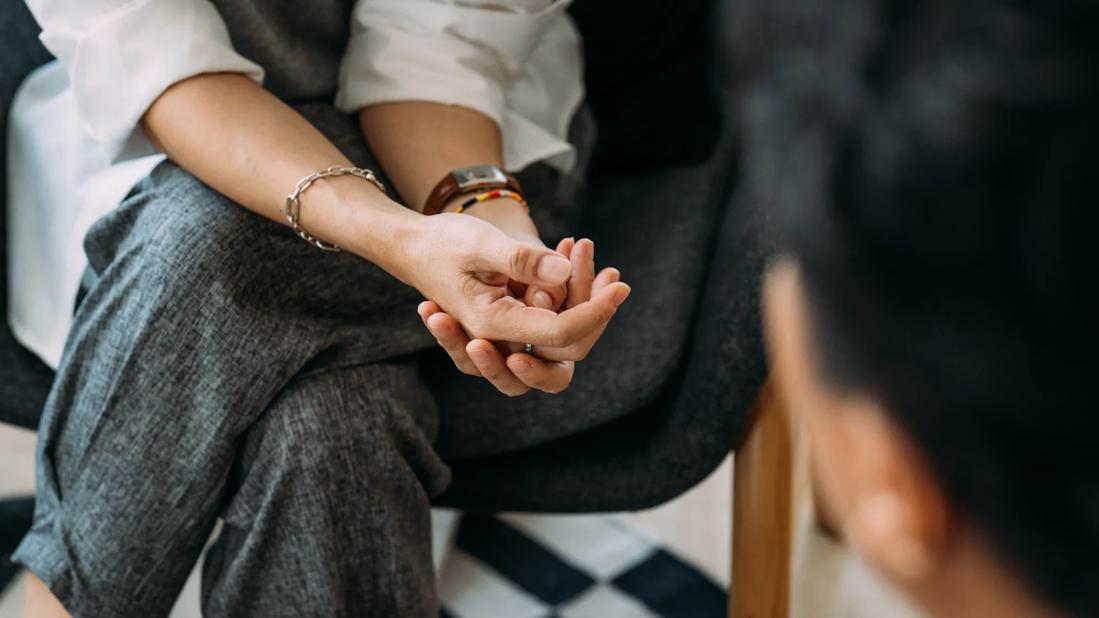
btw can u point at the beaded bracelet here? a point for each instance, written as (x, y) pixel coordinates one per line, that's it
(491, 195)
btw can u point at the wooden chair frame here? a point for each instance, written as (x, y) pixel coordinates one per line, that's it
(770, 485)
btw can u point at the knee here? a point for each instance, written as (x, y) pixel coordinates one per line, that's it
(203, 236)
(316, 429)
(331, 430)
(311, 437)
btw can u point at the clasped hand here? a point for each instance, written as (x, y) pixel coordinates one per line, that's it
(490, 292)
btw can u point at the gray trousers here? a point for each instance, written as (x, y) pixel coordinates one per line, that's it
(221, 367)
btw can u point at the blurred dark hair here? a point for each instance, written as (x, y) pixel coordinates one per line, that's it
(930, 167)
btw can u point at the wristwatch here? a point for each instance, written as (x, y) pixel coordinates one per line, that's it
(467, 180)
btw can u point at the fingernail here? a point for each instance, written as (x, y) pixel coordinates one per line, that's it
(542, 300)
(521, 366)
(480, 356)
(621, 295)
(553, 269)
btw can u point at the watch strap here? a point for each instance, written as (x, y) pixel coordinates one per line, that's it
(448, 188)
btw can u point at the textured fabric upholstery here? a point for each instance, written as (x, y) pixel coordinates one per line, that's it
(25, 380)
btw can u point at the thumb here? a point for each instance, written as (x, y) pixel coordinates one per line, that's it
(544, 298)
(525, 262)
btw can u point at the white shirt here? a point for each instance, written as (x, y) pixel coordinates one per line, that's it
(76, 147)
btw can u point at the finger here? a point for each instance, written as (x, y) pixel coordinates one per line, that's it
(605, 277)
(511, 320)
(546, 298)
(507, 348)
(494, 368)
(450, 336)
(553, 298)
(522, 261)
(565, 245)
(574, 352)
(582, 260)
(426, 309)
(551, 377)
(579, 350)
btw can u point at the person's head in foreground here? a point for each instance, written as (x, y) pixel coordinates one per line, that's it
(931, 317)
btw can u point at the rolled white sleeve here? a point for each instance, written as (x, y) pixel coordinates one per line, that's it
(122, 54)
(435, 50)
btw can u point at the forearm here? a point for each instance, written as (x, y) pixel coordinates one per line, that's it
(250, 146)
(419, 142)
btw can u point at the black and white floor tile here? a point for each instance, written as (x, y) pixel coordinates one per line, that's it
(577, 566)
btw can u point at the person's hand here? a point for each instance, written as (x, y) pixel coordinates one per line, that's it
(519, 372)
(464, 265)
(508, 216)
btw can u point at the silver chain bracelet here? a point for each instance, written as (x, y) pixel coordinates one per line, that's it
(292, 208)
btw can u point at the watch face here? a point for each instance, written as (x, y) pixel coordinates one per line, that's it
(480, 175)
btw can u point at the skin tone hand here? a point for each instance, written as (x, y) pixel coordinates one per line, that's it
(519, 372)
(465, 265)
(511, 218)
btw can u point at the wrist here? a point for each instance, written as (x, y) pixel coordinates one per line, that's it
(503, 213)
(388, 235)
(361, 219)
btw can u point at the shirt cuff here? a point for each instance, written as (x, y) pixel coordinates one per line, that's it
(132, 55)
(384, 66)
(426, 50)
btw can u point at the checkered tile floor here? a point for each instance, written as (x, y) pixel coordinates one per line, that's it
(584, 566)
